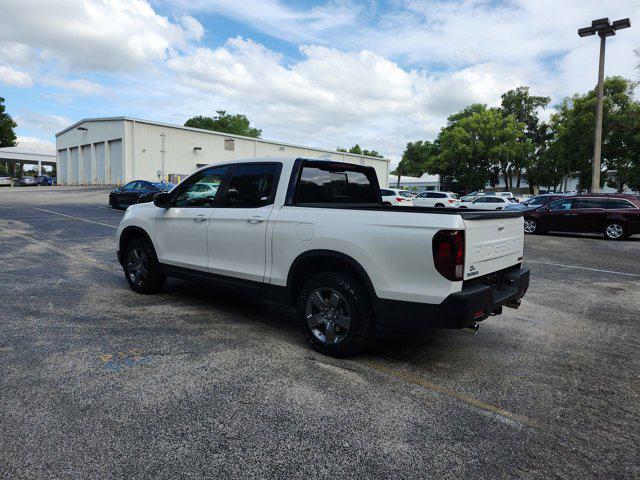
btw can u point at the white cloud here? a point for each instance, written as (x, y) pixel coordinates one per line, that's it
(35, 143)
(14, 76)
(117, 35)
(279, 20)
(78, 85)
(331, 96)
(40, 122)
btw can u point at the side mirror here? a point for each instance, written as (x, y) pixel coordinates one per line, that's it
(162, 200)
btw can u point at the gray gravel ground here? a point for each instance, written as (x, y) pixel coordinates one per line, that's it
(99, 382)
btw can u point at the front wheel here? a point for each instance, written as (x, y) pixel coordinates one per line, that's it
(615, 231)
(336, 314)
(141, 267)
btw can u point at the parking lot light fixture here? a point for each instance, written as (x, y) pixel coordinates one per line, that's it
(604, 29)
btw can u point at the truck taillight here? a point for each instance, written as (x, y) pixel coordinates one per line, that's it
(448, 253)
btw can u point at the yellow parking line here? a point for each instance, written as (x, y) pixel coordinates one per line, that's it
(474, 402)
(74, 217)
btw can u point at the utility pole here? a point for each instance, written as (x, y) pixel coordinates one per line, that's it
(604, 29)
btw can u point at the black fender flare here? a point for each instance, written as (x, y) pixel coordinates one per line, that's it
(332, 254)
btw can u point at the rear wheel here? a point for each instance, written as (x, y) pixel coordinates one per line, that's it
(336, 314)
(615, 231)
(386, 203)
(439, 205)
(141, 267)
(530, 226)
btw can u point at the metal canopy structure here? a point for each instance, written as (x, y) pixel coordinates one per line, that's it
(28, 155)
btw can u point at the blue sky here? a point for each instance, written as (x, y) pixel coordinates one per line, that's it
(323, 73)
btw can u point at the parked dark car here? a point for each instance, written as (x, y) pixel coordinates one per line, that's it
(535, 202)
(45, 180)
(138, 191)
(28, 181)
(616, 216)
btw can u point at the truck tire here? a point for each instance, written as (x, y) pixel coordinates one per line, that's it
(141, 267)
(336, 314)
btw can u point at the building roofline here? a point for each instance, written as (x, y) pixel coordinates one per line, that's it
(212, 132)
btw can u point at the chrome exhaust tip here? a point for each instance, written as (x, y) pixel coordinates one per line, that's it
(471, 329)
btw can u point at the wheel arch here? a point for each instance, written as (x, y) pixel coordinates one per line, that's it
(311, 262)
(128, 234)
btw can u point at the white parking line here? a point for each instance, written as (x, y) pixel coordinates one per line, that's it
(77, 218)
(584, 268)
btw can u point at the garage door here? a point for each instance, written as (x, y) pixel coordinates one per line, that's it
(61, 167)
(74, 167)
(99, 174)
(115, 162)
(86, 176)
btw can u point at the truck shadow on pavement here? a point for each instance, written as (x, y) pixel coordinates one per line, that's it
(282, 320)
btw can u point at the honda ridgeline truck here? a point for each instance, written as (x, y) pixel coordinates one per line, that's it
(315, 234)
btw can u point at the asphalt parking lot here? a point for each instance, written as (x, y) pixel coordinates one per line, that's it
(97, 381)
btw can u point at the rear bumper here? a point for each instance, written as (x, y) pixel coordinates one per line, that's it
(477, 300)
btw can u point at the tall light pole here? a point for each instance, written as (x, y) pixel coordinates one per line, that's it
(604, 29)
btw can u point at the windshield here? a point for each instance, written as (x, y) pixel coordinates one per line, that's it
(405, 193)
(164, 186)
(535, 201)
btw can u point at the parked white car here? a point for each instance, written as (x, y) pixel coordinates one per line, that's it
(488, 202)
(396, 196)
(5, 181)
(314, 234)
(436, 199)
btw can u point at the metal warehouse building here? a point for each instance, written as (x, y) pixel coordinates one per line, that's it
(97, 151)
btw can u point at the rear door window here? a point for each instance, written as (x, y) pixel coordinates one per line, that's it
(329, 184)
(583, 203)
(252, 185)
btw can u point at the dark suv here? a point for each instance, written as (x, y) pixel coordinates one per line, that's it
(615, 215)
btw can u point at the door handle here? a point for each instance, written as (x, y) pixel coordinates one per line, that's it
(199, 218)
(255, 219)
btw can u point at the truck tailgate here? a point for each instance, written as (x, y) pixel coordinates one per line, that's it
(492, 244)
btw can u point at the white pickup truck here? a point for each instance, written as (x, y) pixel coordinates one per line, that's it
(315, 234)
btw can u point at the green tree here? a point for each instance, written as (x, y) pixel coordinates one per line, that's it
(357, 150)
(7, 124)
(524, 107)
(416, 158)
(476, 145)
(573, 128)
(223, 122)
